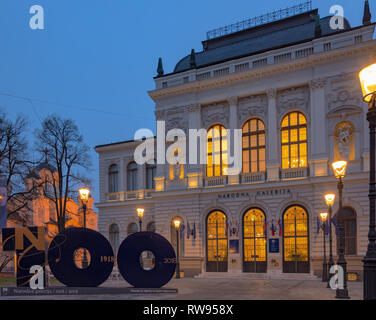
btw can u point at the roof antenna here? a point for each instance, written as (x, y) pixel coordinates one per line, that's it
(367, 14)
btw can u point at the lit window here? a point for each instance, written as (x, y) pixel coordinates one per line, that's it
(295, 234)
(254, 236)
(294, 141)
(217, 151)
(253, 146)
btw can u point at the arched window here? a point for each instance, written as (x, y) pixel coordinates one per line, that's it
(349, 222)
(294, 141)
(295, 240)
(254, 240)
(132, 228)
(114, 236)
(132, 184)
(181, 233)
(253, 146)
(216, 242)
(113, 174)
(150, 174)
(151, 227)
(217, 151)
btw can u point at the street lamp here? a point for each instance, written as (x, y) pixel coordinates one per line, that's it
(368, 81)
(177, 226)
(324, 217)
(140, 213)
(339, 168)
(84, 195)
(329, 199)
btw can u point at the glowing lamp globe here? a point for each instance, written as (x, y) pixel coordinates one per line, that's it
(140, 212)
(177, 223)
(368, 81)
(329, 199)
(323, 216)
(84, 194)
(339, 168)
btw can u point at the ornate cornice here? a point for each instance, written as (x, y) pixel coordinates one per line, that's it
(362, 48)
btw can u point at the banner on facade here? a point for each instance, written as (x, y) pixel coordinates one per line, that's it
(3, 203)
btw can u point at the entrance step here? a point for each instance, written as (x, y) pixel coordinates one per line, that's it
(258, 276)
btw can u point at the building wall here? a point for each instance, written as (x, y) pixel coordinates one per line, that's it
(323, 86)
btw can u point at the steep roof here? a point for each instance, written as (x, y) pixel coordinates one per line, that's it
(295, 29)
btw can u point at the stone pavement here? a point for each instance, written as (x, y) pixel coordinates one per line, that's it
(224, 289)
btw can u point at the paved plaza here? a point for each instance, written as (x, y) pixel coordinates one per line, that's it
(224, 289)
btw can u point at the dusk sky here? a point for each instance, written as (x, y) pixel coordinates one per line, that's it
(95, 60)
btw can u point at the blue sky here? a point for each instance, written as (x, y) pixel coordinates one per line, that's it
(95, 59)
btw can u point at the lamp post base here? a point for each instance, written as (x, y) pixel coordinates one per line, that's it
(342, 294)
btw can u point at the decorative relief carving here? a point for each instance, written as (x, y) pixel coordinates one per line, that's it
(271, 93)
(343, 91)
(252, 106)
(215, 113)
(293, 99)
(344, 132)
(317, 83)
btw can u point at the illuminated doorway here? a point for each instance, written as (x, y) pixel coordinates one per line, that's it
(254, 241)
(216, 242)
(295, 240)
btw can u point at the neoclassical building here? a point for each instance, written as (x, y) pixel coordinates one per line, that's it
(291, 85)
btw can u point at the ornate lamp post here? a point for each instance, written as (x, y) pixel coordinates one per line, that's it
(339, 169)
(324, 217)
(329, 199)
(84, 195)
(177, 226)
(368, 81)
(140, 214)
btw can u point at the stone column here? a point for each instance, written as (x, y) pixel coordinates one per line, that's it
(233, 124)
(160, 177)
(318, 141)
(195, 171)
(273, 164)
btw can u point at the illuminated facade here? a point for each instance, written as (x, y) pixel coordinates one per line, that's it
(291, 86)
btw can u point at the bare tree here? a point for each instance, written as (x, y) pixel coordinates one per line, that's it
(15, 165)
(60, 141)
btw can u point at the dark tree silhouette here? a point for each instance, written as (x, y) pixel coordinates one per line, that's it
(60, 142)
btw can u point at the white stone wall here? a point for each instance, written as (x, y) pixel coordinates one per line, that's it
(324, 86)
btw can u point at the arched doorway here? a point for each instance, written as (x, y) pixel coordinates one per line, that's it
(254, 241)
(295, 240)
(216, 242)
